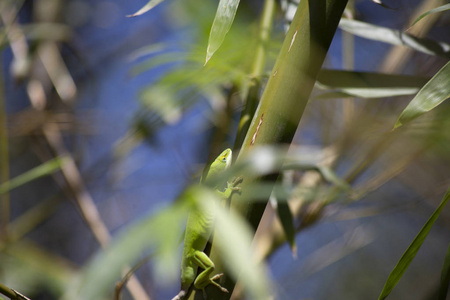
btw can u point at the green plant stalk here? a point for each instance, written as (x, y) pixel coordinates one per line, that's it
(283, 102)
(252, 98)
(7, 291)
(12, 294)
(291, 81)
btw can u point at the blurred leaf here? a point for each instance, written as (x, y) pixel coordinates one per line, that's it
(44, 169)
(287, 222)
(148, 50)
(163, 102)
(369, 85)
(146, 8)
(160, 233)
(381, 4)
(226, 11)
(412, 250)
(432, 11)
(395, 37)
(234, 238)
(445, 276)
(327, 173)
(431, 95)
(29, 266)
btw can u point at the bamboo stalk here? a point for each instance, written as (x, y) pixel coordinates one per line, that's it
(283, 102)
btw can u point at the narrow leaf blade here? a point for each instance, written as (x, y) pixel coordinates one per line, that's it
(432, 11)
(146, 8)
(445, 276)
(287, 222)
(226, 11)
(44, 169)
(395, 37)
(369, 84)
(431, 95)
(412, 250)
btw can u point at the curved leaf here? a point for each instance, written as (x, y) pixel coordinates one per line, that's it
(395, 37)
(432, 11)
(431, 95)
(146, 8)
(412, 250)
(221, 25)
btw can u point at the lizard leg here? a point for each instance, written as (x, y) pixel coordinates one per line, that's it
(203, 279)
(231, 188)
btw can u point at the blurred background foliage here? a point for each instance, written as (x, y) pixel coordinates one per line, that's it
(107, 119)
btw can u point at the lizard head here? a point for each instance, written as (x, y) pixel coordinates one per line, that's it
(223, 161)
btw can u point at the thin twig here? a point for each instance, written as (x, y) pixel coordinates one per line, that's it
(12, 294)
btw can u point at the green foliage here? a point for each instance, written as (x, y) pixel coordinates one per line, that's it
(367, 84)
(436, 91)
(395, 37)
(412, 250)
(431, 11)
(226, 11)
(347, 143)
(42, 170)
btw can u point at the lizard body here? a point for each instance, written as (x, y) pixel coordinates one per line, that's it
(199, 227)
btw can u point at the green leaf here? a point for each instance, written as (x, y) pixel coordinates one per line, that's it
(395, 37)
(146, 8)
(226, 11)
(99, 276)
(432, 11)
(431, 95)
(234, 238)
(412, 250)
(368, 84)
(44, 169)
(445, 276)
(287, 222)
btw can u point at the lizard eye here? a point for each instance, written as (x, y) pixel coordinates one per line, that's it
(224, 159)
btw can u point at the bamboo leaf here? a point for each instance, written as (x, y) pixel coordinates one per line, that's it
(368, 84)
(226, 11)
(234, 238)
(44, 169)
(287, 222)
(445, 276)
(102, 272)
(431, 95)
(395, 37)
(146, 8)
(412, 250)
(432, 11)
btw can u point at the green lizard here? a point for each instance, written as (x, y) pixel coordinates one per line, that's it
(199, 228)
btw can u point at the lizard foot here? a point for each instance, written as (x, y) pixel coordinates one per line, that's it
(215, 277)
(180, 295)
(233, 185)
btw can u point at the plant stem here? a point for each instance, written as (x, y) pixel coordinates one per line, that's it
(252, 98)
(12, 294)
